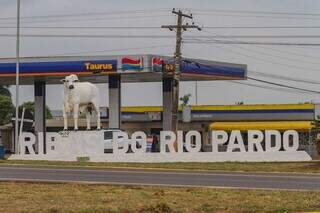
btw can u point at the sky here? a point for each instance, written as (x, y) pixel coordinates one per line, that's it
(298, 62)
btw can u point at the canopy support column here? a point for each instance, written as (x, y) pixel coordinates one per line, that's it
(167, 89)
(40, 112)
(114, 101)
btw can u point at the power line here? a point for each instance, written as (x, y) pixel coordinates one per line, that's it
(265, 53)
(270, 88)
(85, 19)
(85, 36)
(217, 41)
(259, 16)
(281, 77)
(263, 59)
(275, 56)
(190, 40)
(101, 51)
(258, 12)
(261, 27)
(283, 85)
(266, 60)
(275, 50)
(108, 13)
(82, 27)
(156, 27)
(291, 53)
(110, 50)
(262, 36)
(280, 51)
(103, 13)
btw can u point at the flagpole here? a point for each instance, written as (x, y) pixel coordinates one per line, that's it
(17, 79)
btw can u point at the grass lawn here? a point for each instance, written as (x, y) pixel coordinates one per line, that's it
(34, 197)
(300, 167)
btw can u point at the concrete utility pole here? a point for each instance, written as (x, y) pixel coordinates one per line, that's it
(174, 78)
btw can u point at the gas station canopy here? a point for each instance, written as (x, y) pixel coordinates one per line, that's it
(133, 68)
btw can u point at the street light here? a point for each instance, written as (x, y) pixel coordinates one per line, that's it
(17, 79)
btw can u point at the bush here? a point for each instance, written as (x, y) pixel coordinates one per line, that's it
(30, 107)
(6, 109)
(318, 146)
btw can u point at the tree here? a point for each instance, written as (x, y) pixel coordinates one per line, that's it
(4, 90)
(29, 105)
(6, 106)
(6, 109)
(316, 132)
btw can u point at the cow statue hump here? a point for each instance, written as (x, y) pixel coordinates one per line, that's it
(80, 97)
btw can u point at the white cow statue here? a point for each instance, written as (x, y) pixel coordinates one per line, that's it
(80, 97)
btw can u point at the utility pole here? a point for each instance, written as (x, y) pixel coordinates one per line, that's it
(175, 76)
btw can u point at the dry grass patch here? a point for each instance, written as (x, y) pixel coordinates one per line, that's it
(26, 197)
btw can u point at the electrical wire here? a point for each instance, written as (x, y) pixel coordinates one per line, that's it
(266, 60)
(78, 53)
(84, 19)
(82, 27)
(216, 41)
(256, 12)
(276, 50)
(109, 50)
(281, 77)
(257, 16)
(102, 13)
(270, 88)
(258, 58)
(156, 27)
(86, 36)
(283, 85)
(265, 53)
(261, 36)
(190, 40)
(261, 27)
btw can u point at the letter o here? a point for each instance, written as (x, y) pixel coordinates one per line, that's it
(295, 141)
(140, 137)
(197, 136)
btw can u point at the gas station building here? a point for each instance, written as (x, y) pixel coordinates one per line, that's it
(114, 70)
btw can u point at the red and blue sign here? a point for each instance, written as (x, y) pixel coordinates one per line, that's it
(132, 64)
(156, 63)
(59, 68)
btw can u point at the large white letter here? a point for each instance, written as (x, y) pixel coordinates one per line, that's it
(180, 141)
(255, 137)
(197, 140)
(141, 139)
(286, 140)
(116, 141)
(236, 136)
(26, 141)
(277, 140)
(167, 138)
(218, 137)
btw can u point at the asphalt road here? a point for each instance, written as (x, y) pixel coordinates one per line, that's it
(169, 178)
